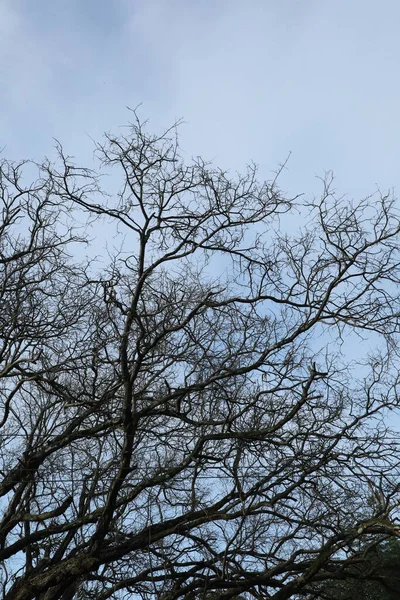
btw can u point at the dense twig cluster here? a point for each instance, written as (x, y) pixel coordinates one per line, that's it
(170, 429)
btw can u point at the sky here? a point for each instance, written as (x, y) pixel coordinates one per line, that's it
(260, 80)
(255, 80)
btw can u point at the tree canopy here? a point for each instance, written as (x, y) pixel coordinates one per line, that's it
(198, 411)
(377, 577)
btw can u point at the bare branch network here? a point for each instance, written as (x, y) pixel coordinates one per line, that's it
(183, 420)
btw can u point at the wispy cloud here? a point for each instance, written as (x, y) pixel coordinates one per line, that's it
(252, 80)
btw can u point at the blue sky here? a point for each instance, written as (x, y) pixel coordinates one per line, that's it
(253, 80)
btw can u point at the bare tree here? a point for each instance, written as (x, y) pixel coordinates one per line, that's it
(183, 419)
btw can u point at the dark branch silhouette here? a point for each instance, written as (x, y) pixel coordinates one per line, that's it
(181, 417)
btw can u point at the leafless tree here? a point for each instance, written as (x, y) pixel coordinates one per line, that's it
(184, 419)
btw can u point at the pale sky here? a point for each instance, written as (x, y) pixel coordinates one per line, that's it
(253, 80)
